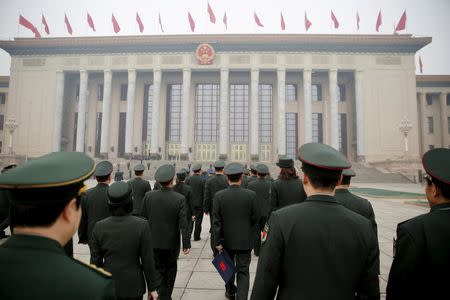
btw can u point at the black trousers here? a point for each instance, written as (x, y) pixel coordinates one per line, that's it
(241, 259)
(166, 267)
(211, 238)
(258, 228)
(198, 223)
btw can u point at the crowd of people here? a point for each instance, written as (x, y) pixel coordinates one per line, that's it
(315, 239)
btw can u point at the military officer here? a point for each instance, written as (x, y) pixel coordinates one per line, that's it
(421, 266)
(182, 188)
(235, 216)
(119, 174)
(128, 261)
(45, 212)
(287, 189)
(197, 184)
(4, 206)
(140, 186)
(261, 187)
(94, 202)
(253, 173)
(245, 179)
(166, 213)
(318, 249)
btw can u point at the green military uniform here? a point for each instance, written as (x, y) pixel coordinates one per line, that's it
(261, 187)
(285, 192)
(182, 188)
(244, 182)
(166, 213)
(35, 266)
(317, 249)
(235, 216)
(253, 175)
(4, 206)
(94, 203)
(421, 266)
(197, 184)
(139, 186)
(127, 261)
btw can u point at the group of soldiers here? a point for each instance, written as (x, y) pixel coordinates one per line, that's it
(314, 238)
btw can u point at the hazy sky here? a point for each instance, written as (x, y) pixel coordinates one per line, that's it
(425, 18)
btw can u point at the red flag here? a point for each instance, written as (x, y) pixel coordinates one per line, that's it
(283, 25)
(257, 20)
(90, 21)
(307, 22)
(357, 20)
(139, 21)
(212, 17)
(379, 21)
(160, 23)
(191, 22)
(44, 22)
(402, 23)
(68, 26)
(115, 24)
(335, 20)
(420, 64)
(27, 24)
(225, 20)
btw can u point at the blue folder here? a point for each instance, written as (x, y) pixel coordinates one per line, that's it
(222, 262)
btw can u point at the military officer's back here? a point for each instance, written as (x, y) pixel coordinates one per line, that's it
(197, 184)
(140, 186)
(182, 188)
(45, 212)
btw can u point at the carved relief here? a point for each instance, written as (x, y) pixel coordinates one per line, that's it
(33, 62)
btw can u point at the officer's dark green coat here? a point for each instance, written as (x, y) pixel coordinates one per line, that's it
(38, 268)
(185, 190)
(286, 192)
(140, 187)
(244, 182)
(165, 211)
(127, 260)
(304, 241)
(252, 178)
(4, 211)
(197, 184)
(421, 266)
(214, 184)
(95, 207)
(261, 187)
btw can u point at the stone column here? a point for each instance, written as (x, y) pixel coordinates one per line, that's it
(359, 103)
(334, 126)
(444, 124)
(59, 101)
(224, 115)
(254, 115)
(106, 113)
(154, 145)
(281, 77)
(307, 108)
(186, 89)
(130, 112)
(81, 124)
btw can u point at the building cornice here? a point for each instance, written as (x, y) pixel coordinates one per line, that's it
(433, 80)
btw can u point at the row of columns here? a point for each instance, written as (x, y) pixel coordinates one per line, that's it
(224, 107)
(445, 142)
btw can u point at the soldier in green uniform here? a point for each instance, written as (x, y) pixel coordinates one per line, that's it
(245, 179)
(235, 216)
(214, 184)
(166, 213)
(253, 173)
(94, 202)
(140, 186)
(197, 184)
(287, 189)
(261, 187)
(421, 266)
(318, 249)
(182, 188)
(4, 206)
(130, 260)
(45, 213)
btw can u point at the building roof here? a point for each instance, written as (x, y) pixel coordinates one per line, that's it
(221, 42)
(433, 80)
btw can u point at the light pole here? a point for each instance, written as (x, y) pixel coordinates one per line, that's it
(405, 127)
(11, 124)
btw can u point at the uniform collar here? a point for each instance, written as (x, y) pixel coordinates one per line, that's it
(442, 206)
(102, 184)
(322, 198)
(34, 242)
(342, 191)
(165, 188)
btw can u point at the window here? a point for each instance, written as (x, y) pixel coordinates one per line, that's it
(448, 99)
(174, 113)
(100, 92)
(317, 132)
(430, 147)
(206, 112)
(265, 113)
(238, 113)
(2, 120)
(75, 125)
(1, 146)
(291, 135)
(316, 92)
(341, 90)
(123, 92)
(448, 125)
(429, 98)
(342, 124)
(147, 116)
(430, 125)
(291, 92)
(3, 98)
(77, 92)
(98, 133)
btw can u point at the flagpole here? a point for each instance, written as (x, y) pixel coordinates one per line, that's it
(18, 26)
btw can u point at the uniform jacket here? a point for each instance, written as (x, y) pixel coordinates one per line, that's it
(235, 215)
(421, 266)
(126, 261)
(4, 210)
(286, 192)
(214, 184)
(139, 187)
(165, 211)
(185, 190)
(38, 268)
(261, 187)
(95, 207)
(317, 249)
(244, 182)
(197, 184)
